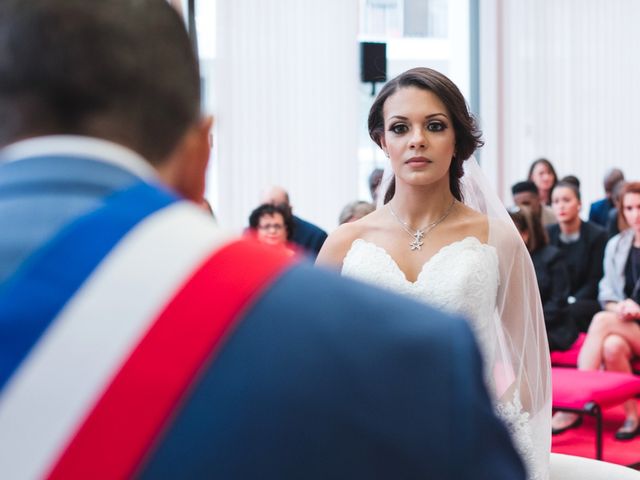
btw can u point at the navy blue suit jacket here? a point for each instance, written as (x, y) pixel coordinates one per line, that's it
(322, 378)
(327, 378)
(599, 211)
(308, 236)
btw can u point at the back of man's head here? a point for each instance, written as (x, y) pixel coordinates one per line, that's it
(612, 177)
(122, 70)
(277, 196)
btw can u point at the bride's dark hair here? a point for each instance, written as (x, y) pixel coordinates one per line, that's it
(466, 131)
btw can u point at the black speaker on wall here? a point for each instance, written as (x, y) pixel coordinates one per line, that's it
(373, 62)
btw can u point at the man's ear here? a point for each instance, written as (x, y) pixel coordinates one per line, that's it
(185, 169)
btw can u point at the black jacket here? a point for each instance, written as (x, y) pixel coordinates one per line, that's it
(553, 282)
(583, 259)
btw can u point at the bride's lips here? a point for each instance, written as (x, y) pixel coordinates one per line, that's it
(417, 161)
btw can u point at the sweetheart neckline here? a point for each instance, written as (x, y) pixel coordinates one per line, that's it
(425, 264)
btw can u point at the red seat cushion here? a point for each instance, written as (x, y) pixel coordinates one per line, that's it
(568, 358)
(576, 388)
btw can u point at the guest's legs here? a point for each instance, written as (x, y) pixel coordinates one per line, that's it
(613, 342)
(590, 357)
(617, 353)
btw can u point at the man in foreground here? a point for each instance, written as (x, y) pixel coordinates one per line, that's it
(138, 339)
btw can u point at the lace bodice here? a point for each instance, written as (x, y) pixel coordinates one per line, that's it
(461, 278)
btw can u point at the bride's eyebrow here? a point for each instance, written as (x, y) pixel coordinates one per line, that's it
(402, 117)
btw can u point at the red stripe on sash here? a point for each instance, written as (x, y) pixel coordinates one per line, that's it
(144, 395)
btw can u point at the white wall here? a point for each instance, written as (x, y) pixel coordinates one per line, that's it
(559, 79)
(289, 111)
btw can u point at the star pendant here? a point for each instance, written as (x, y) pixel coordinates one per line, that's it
(416, 244)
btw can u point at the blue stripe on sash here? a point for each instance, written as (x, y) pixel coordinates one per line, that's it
(32, 298)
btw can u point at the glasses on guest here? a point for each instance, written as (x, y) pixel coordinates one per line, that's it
(271, 226)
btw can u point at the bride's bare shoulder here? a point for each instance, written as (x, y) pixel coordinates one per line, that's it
(339, 242)
(504, 233)
(473, 223)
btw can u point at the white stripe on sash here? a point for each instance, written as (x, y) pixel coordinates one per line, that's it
(57, 385)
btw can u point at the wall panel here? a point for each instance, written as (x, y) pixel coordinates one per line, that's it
(287, 112)
(561, 83)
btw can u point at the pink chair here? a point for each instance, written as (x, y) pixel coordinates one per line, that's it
(589, 392)
(569, 358)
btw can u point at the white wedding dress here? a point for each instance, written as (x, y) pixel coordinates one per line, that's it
(461, 278)
(472, 279)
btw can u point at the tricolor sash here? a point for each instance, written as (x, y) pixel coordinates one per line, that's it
(104, 330)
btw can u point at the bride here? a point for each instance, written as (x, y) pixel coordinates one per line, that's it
(443, 237)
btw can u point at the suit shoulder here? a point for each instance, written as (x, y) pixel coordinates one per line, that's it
(308, 226)
(323, 292)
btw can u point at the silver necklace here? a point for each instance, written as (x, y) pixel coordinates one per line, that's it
(420, 233)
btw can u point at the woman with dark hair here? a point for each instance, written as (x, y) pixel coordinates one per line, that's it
(613, 338)
(272, 224)
(544, 176)
(553, 279)
(582, 245)
(443, 237)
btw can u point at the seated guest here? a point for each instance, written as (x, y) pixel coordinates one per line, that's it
(354, 211)
(545, 178)
(272, 224)
(599, 210)
(582, 245)
(525, 194)
(307, 235)
(614, 335)
(570, 179)
(553, 279)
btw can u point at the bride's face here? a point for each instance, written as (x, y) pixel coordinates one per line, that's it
(419, 137)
